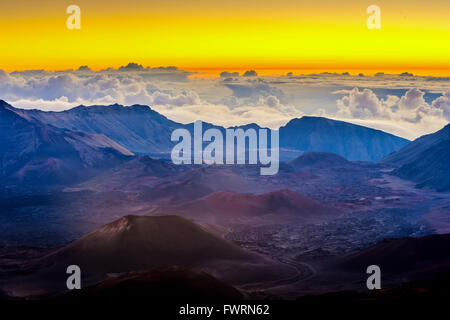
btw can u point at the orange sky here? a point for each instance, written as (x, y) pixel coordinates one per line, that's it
(272, 37)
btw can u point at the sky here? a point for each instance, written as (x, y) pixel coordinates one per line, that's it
(234, 62)
(209, 36)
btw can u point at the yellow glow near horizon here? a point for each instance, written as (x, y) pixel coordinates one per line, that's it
(271, 36)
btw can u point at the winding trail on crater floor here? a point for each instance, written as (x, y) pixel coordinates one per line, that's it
(304, 272)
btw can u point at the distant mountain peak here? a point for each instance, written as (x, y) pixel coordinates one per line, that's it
(4, 104)
(318, 160)
(115, 106)
(351, 141)
(425, 160)
(304, 119)
(142, 130)
(129, 222)
(324, 121)
(36, 154)
(419, 145)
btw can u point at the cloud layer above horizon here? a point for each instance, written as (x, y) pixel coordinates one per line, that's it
(405, 105)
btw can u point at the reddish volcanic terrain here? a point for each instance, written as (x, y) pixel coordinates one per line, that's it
(175, 192)
(135, 243)
(79, 188)
(224, 207)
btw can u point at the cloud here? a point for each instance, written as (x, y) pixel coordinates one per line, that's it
(254, 90)
(263, 115)
(272, 102)
(184, 98)
(389, 102)
(365, 104)
(410, 115)
(413, 99)
(227, 74)
(443, 103)
(361, 104)
(84, 69)
(4, 76)
(91, 87)
(139, 97)
(59, 104)
(250, 73)
(132, 66)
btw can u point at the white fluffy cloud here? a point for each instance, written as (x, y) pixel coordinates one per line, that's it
(443, 103)
(408, 116)
(391, 103)
(412, 100)
(263, 115)
(184, 98)
(65, 90)
(362, 104)
(410, 107)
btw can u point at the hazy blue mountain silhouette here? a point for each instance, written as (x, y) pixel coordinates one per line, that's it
(33, 153)
(426, 160)
(141, 130)
(353, 142)
(431, 168)
(137, 128)
(415, 148)
(319, 160)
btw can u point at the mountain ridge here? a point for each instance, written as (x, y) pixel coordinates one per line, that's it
(353, 142)
(34, 153)
(140, 129)
(410, 151)
(425, 160)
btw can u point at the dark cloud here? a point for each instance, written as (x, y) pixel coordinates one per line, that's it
(84, 68)
(168, 68)
(227, 74)
(132, 66)
(250, 73)
(229, 80)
